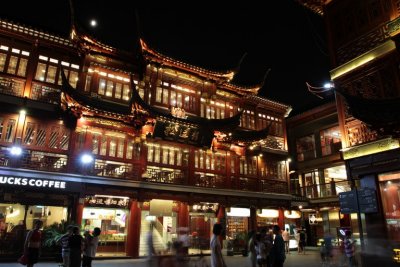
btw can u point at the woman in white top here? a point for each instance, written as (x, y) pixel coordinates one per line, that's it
(216, 255)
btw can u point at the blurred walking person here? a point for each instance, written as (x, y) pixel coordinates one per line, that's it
(278, 249)
(216, 254)
(75, 244)
(65, 245)
(90, 247)
(349, 248)
(33, 243)
(286, 238)
(252, 249)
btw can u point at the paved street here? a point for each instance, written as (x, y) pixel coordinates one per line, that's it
(311, 259)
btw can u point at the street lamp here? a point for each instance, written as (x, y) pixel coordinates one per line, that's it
(16, 151)
(86, 158)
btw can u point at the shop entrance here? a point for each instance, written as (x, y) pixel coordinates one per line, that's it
(17, 219)
(163, 231)
(113, 225)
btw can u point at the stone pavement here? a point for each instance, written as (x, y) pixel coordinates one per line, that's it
(310, 259)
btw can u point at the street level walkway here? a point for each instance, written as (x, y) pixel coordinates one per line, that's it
(310, 259)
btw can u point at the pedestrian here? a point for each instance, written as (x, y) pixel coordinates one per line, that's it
(278, 249)
(286, 238)
(216, 254)
(261, 251)
(75, 242)
(328, 244)
(267, 237)
(252, 249)
(90, 247)
(302, 242)
(349, 248)
(65, 245)
(33, 243)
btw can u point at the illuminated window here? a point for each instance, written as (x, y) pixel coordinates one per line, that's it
(113, 147)
(305, 148)
(102, 87)
(103, 145)
(17, 61)
(159, 91)
(12, 65)
(88, 82)
(2, 61)
(118, 90)
(330, 141)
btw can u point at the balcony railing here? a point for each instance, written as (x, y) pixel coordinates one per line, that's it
(323, 190)
(209, 180)
(160, 175)
(34, 160)
(11, 86)
(57, 162)
(45, 94)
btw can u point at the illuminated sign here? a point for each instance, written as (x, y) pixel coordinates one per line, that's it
(107, 201)
(32, 182)
(204, 207)
(239, 212)
(371, 148)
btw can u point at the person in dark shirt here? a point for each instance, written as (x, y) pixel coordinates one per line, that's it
(278, 249)
(75, 242)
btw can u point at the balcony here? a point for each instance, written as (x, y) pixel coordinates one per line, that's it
(209, 180)
(164, 175)
(11, 86)
(34, 160)
(326, 190)
(45, 93)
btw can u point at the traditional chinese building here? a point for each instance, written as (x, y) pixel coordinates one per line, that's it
(317, 171)
(364, 50)
(100, 137)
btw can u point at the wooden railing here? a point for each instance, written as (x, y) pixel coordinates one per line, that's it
(322, 190)
(11, 86)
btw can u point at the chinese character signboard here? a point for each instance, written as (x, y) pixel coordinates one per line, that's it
(358, 200)
(107, 202)
(173, 131)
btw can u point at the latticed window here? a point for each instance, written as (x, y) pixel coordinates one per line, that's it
(52, 136)
(17, 60)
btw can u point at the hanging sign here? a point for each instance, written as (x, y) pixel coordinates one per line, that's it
(173, 131)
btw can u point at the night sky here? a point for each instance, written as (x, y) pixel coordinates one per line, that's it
(281, 35)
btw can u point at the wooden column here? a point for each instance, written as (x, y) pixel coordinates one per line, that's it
(183, 217)
(79, 205)
(133, 238)
(281, 219)
(253, 219)
(31, 70)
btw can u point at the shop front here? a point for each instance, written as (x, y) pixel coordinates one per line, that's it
(375, 167)
(237, 228)
(27, 197)
(202, 217)
(110, 214)
(160, 219)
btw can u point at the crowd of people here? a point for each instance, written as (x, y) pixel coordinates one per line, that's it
(266, 248)
(76, 250)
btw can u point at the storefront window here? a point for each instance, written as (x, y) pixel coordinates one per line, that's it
(13, 228)
(390, 191)
(113, 225)
(201, 218)
(330, 141)
(305, 147)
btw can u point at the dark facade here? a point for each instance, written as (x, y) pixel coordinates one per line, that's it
(363, 43)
